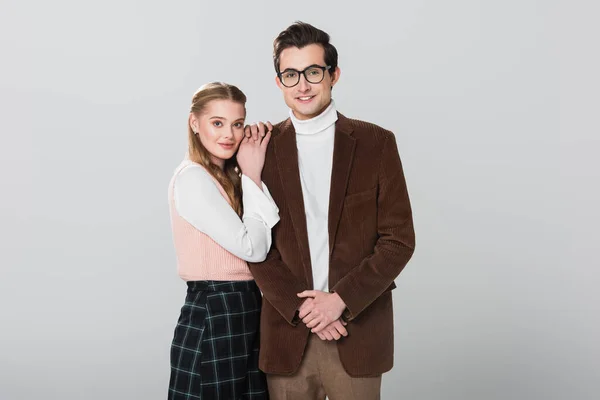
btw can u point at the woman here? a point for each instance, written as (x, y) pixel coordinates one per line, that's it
(221, 217)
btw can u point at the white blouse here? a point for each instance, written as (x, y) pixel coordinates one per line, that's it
(198, 200)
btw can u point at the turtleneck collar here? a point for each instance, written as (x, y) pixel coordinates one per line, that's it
(316, 124)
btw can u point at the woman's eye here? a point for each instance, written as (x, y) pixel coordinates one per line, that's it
(238, 125)
(218, 124)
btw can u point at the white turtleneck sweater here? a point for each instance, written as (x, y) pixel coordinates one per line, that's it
(314, 139)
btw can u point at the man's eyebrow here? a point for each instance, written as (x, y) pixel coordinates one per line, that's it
(311, 65)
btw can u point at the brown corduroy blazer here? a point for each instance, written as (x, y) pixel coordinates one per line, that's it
(371, 239)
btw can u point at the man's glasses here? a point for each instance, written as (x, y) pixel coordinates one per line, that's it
(313, 74)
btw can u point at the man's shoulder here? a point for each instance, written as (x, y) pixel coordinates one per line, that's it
(280, 126)
(366, 129)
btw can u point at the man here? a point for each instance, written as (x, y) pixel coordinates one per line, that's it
(344, 235)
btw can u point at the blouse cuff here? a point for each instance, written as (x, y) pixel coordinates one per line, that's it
(259, 204)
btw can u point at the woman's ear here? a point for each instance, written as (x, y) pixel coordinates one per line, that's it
(193, 122)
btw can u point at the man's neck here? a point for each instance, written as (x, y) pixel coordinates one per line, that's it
(306, 117)
(319, 123)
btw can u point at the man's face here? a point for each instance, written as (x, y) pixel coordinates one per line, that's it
(307, 100)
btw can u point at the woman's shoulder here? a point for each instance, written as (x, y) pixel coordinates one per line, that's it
(192, 179)
(192, 172)
(189, 165)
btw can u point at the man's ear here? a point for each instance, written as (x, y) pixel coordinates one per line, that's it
(335, 76)
(278, 82)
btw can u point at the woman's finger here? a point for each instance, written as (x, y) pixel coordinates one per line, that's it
(266, 140)
(254, 130)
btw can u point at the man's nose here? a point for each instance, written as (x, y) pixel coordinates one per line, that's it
(303, 85)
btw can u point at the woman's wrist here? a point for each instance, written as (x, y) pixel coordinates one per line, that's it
(256, 178)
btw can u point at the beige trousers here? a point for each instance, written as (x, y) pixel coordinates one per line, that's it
(321, 374)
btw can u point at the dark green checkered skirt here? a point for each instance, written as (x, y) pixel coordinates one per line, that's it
(214, 354)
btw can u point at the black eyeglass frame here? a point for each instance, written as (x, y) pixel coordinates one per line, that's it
(303, 72)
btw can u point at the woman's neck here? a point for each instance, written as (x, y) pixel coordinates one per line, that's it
(218, 162)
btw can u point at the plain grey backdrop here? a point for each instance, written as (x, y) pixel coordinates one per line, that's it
(496, 122)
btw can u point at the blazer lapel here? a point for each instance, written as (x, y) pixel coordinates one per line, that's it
(286, 153)
(343, 153)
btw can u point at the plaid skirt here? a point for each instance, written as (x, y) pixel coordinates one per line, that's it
(214, 354)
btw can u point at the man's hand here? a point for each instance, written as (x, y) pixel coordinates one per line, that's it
(333, 331)
(320, 309)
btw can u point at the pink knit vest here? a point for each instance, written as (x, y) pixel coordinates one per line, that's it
(198, 256)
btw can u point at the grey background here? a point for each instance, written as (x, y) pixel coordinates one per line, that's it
(494, 105)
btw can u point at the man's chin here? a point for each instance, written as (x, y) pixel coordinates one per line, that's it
(306, 113)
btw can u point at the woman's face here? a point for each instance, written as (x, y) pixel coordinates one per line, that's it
(220, 128)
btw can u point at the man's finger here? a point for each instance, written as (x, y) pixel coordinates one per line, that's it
(319, 327)
(309, 318)
(303, 314)
(340, 328)
(315, 320)
(307, 293)
(312, 320)
(304, 311)
(304, 305)
(335, 334)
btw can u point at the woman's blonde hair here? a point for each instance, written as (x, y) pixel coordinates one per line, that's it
(229, 176)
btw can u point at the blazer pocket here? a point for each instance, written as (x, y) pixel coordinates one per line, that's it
(360, 197)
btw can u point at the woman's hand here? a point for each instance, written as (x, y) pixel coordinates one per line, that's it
(251, 154)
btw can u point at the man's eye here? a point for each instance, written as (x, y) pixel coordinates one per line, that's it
(290, 74)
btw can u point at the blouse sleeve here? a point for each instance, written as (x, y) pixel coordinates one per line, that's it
(199, 201)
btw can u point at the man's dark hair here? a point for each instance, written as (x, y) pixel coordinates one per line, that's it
(301, 34)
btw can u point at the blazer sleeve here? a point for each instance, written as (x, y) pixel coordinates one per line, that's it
(274, 278)
(278, 285)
